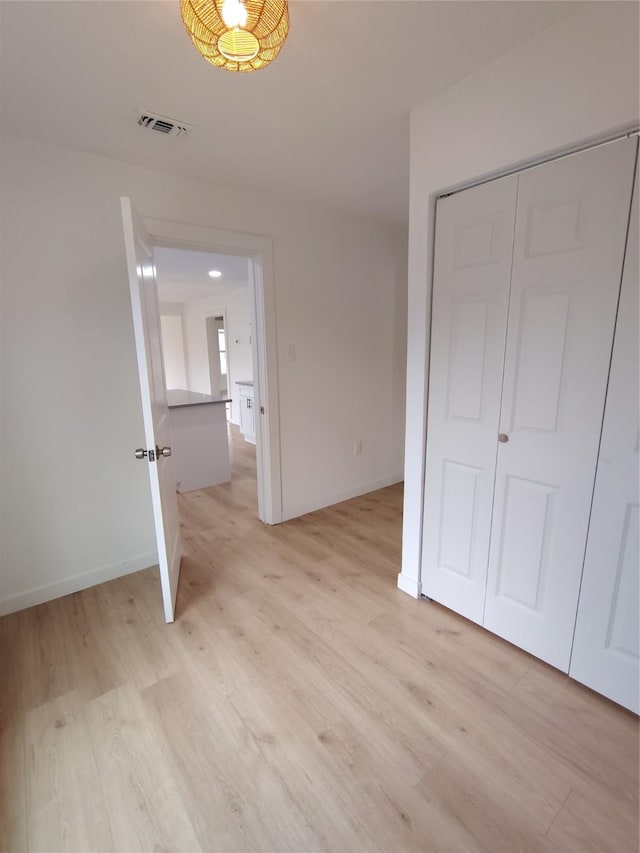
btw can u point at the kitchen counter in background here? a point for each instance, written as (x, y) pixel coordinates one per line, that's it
(178, 398)
(199, 439)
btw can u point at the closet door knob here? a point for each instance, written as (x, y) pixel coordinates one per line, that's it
(503, 438)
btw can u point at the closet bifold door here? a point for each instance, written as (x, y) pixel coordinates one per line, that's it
(472, 268)
(605, 645)
(571, 227)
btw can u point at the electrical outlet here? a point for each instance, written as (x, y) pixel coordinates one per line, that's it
(357, 447)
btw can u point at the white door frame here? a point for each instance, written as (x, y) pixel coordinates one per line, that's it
(222, 313)
(259, 251)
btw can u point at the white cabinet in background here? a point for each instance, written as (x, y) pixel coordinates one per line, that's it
(527, 274)
(247, 411)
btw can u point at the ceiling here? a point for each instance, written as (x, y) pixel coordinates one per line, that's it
(328, 120)
(183, 275)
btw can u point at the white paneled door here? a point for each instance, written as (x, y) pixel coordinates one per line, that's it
(571, 227)
(157, 452)
(605, 646)
(474, 242)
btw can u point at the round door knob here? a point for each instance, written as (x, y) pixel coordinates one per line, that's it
(503, 438)
(163, 451)
(140, 453)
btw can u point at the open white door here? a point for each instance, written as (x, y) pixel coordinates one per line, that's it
(157, 428)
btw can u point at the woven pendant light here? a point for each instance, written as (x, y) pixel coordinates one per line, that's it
(239, 35)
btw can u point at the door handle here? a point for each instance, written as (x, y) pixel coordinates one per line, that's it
(503, 438)
(141, 453)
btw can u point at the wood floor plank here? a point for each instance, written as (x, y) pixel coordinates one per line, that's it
(93, 666)
(331, 792)
(440, 705)
(300, 702)
(135, 644)
(598, 735)
(13, 780)
(208, 653)
(436, 638)
(13, 677)
(592, 822)
(248, 798)
(145, 809)
(64, 802)
(354, 698)
(475, 796)
(35, 652)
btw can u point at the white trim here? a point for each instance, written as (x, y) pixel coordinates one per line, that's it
(259, 250)
(338, 497)
(597, 142)
(48, 592)
(264, 352)
(222, 313)
(410, 585)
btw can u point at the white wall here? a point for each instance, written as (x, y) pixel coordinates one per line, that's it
(173, 349)
(236, 308)
(76, 504)
(573, 83)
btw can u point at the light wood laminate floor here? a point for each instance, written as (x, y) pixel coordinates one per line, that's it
(300, 702)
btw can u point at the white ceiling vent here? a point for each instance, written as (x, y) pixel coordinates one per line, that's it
(164, 124)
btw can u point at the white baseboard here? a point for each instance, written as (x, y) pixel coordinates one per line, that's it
(57, 589)
(322, 502)
(410, 585)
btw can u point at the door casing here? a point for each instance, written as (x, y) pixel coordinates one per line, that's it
(259, 251)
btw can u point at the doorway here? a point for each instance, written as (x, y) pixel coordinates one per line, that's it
(199, 421)
(217, 351)
(206, 324)
(257, 255)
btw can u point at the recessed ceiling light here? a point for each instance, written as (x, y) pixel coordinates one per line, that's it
(215, 273)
